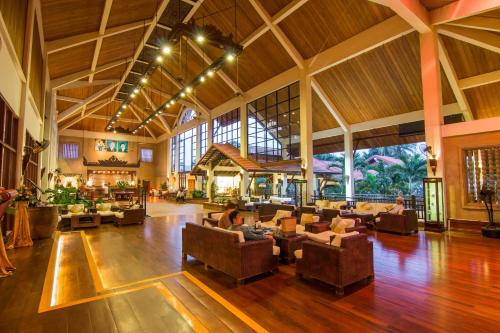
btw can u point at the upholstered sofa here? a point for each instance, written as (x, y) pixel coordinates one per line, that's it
(268, 211)
(133, 215)
(322, 204)
(228, 252)
(405, 223)
(107, 215)
(339, 266)
(374, 208)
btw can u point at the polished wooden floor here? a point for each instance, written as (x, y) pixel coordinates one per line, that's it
(423, 283)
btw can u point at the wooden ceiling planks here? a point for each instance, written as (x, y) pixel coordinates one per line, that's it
(321, 24)
(273, 7)
(127, 11)
(63, 18)
(433, 4)
(120, 46)
(112, 73)
(484, 100)
(470, 60)
(221, 14)
(321, 117)
(383, 82)
(71, 60)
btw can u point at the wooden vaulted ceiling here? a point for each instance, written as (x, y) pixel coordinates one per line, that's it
(385, 81)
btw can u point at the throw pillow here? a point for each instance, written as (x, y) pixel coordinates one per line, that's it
(335, 221)
(306, 218)
(76, 208)
(281, 214)
(344, 224)
(337, 240)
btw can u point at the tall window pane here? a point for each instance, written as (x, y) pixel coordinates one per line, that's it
(203, 138)
(274, 127)
(187, 150)
(226, 128)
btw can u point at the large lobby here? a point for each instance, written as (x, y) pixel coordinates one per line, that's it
(249, 166)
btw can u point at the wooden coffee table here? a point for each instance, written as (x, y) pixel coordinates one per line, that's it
(364, 217)
(85, 221)
(288, 245)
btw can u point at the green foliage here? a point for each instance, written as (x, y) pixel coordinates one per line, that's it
(164, 186)
(62, 195)
(197, 194)
(122, 185)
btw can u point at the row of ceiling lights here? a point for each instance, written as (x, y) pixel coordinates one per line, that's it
(166, 50)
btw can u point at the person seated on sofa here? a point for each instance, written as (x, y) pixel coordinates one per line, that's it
(248, 233)
(181, 195)
(399, 208)
(224, 221)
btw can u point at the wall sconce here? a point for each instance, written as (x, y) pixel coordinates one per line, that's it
(432, 158)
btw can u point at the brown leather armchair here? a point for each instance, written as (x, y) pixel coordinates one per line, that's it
(131, 216)
(223, 251)
(212, 219)
(407, 223)
(337, 266)
(267, 211)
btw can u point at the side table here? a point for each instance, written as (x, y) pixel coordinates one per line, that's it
(288, 245)
(85, 221)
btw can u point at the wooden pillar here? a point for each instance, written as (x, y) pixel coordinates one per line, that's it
(431, 84)
(243, 144)
(306, 141)
(348, 164)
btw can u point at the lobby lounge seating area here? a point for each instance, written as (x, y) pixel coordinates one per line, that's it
(249, 166)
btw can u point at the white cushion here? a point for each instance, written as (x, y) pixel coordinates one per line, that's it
(66, 216)
(297, 254)
(103, 207)
(217, 216)
(135, 207)
(322, 237)
(106, 213)
(315, 219)
(306, 218)
(241, 237)
(281, 214)
(119, 215)
(77, 208)
(276, 250)
(300, 229)
(339, 226)
(337, 240)
(321, 203)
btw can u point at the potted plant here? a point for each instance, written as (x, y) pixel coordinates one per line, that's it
(122, 185)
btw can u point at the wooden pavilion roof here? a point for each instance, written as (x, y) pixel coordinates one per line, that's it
(96, 50)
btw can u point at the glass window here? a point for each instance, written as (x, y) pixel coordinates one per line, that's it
(187, 150)
(226, 128)
(273, 123)
(70, 151)
(187, 115)
(203, 138)
(146, 155)
(173, 141)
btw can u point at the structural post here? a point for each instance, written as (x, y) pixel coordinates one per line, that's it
(431, 82)
(306, 139)
(284, 185)
(210, 130)
(348, 164)
(210, 173)
(176, 161)
(243, 145)
(198, 181)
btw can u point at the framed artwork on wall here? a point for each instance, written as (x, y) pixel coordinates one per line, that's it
(100, 145)
(123, 146)
(111, 145)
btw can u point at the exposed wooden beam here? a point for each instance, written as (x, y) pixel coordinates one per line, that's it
(448, 69)
(461, 9)
(330, 105)
(164, 124)
(75, 108)
(403, 118)
(288, 10)
(69, 99)
(107, 118)
(220, 72)
(412, 11)
(363, 42)
(479, 80)
(479, 22)
(485, 39)
(97, 135)
(59, 82)
(199, 105)
(254, 35)
(134, 110)
(72, 41)
(84, 84)
(168, 96)
(278, 33)
(96, 108)
(102, 29)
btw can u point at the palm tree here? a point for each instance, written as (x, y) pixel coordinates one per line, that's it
(414, 167)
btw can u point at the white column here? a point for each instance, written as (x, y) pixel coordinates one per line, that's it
(198, 183)
(210, 129)
(176, 161)
(348, 164)
(243, 144)
(285, 184)
(210, 173)
(306, 141)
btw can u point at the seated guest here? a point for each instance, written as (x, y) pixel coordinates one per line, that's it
(248, 233)
(399, 208)
(181, 195)
(224, 221)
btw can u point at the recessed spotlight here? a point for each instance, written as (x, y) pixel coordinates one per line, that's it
(202, 79)
(210, 73)
(189, 89)
(200, 38)
(167, 49)
(136, 91)
(230, 57)
(159, 59)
